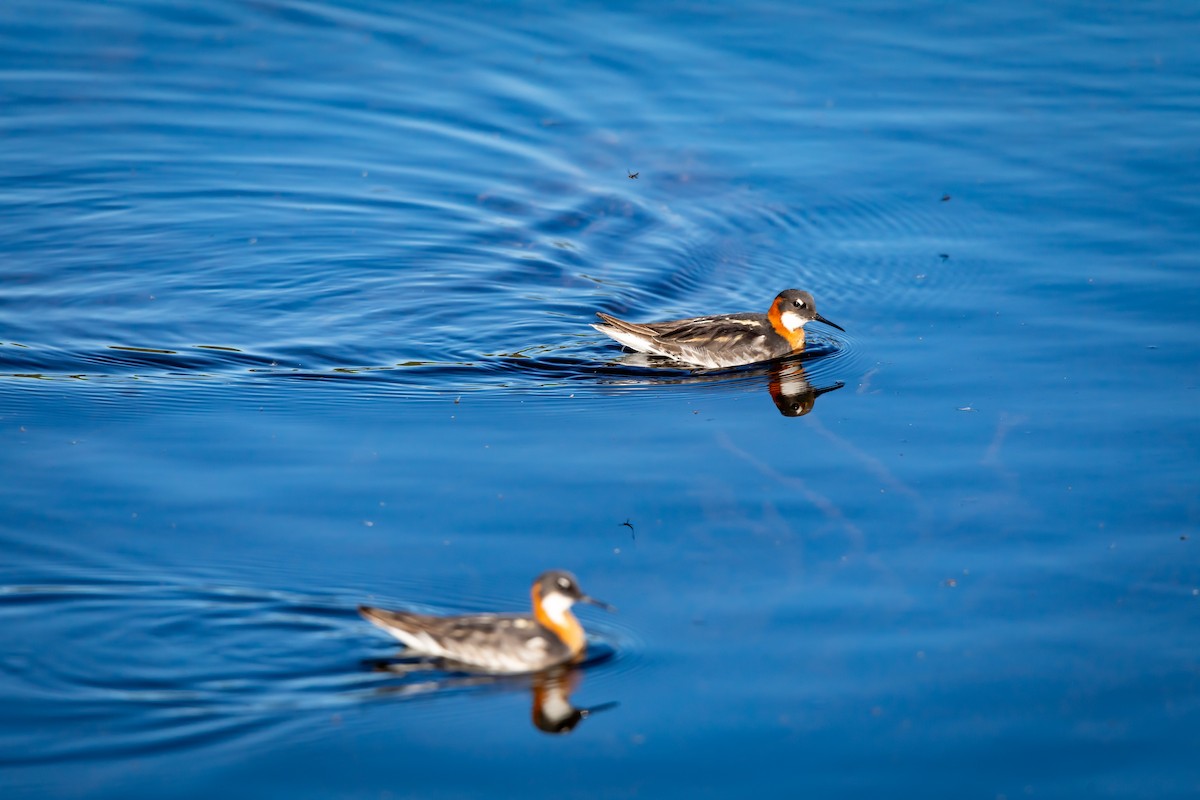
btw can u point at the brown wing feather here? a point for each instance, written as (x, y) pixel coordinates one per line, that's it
(715, 331)
(452, 627)
(494, 642)
(722, 340)
(696, 330)
(636, 328)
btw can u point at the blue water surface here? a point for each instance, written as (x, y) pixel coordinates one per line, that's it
(295, 305)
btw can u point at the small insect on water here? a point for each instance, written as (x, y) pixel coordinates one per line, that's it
(632, 175)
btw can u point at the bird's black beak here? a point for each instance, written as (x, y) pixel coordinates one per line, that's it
(587, 712)
(838, 385)
(583, 598)
(819, 318)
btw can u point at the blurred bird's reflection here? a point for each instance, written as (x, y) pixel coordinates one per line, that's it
(551, 708)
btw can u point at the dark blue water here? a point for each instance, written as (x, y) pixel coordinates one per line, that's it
(294, 312)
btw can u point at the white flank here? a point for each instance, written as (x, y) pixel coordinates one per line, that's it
(420, 642)
(630, 340)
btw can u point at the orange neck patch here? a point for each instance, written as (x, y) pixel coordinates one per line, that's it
(794, 338)
(568, 628)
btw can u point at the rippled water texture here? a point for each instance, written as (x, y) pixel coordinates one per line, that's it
(295, 305)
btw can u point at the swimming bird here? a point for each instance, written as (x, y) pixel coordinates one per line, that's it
(723, 340)
(499, 643)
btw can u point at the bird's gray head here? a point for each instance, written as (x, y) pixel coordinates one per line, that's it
(563, 586)
(796, 308)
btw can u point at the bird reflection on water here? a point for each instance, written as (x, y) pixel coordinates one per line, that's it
(794, 396)
(786, 380)
(551, 709)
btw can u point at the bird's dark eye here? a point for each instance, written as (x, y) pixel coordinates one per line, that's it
(563, 583)
(798, 303)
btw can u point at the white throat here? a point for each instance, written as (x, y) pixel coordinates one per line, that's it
(555, 605)
(792, 321)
